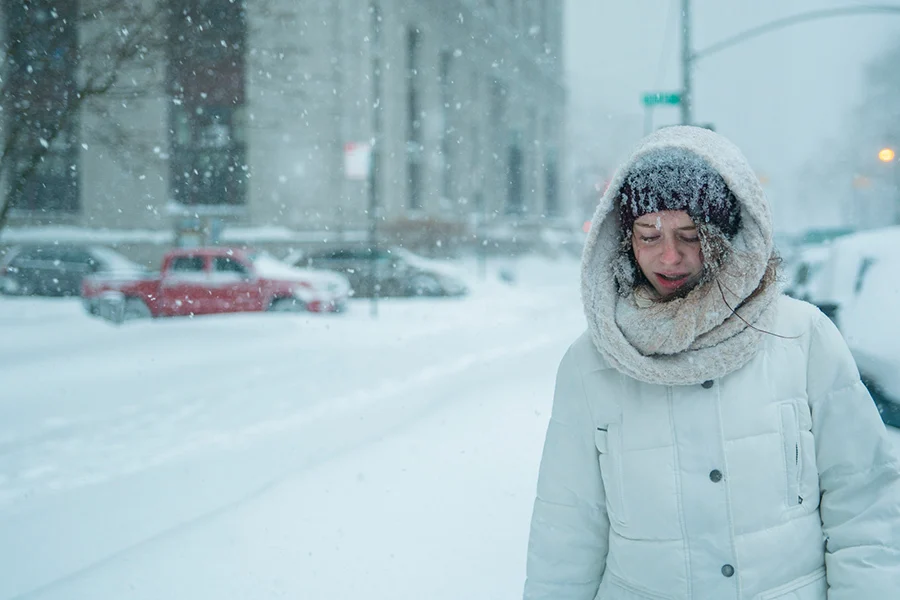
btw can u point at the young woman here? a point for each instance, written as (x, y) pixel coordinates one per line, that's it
(710, 438)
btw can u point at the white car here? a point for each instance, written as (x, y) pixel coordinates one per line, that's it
(870, 322)
(804, 270)
(843, 271)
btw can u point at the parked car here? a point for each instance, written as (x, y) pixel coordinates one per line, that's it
(197, 281)
(804, 269)
(58, 269)
(397, 271)
(843, 270)
(871, 325)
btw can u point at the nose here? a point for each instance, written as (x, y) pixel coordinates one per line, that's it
(670, 253)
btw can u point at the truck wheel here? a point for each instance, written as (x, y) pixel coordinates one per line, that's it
(287, 305)
(135, 308)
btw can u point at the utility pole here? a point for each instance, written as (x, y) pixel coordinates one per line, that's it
(374, 160)
(686, 64)
(339, 115)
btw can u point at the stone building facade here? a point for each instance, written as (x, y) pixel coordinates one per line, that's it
(316, 115)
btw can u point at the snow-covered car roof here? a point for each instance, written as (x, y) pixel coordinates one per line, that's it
(115, 262)
(845, 256)
(435, 266)
(270, 267)
(427, 264)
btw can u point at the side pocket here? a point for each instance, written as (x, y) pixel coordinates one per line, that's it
(616, 587)
(793, 461)
(809, 587)
(609, 454)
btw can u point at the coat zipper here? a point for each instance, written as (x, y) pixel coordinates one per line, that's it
(790, 431)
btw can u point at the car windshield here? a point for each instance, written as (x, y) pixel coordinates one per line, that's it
(286, 286)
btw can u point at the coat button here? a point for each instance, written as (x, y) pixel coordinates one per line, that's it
(727, 570)
(715, 476)
(707, 384)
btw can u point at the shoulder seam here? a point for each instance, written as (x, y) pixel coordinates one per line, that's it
(587, 405)
(602, 364)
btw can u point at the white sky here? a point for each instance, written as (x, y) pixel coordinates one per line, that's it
(780, 97)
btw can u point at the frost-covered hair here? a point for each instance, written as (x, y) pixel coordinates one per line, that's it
(676, 179)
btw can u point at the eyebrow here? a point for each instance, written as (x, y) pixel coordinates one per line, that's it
(653, 226)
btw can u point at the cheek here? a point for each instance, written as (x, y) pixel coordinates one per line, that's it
(696, 257)
(636, 252)
(640, 257)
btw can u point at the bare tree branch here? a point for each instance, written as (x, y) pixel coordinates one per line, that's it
(127, 33)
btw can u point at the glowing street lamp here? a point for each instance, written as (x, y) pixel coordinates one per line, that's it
(886, 155)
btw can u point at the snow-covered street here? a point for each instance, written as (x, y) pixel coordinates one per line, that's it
(278, 455)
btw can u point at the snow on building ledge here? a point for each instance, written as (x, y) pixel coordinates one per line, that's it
(50, 234)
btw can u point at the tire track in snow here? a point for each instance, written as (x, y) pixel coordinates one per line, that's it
(46, 477)
(337, 408)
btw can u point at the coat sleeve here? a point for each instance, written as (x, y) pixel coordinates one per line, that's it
(859, 474)
(569, 528)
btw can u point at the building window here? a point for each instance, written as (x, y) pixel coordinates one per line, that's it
(476, 131)
(206, 78)
(414, 128)
(444, 67)
(551, 186)
(515, 198)
(41, 124)
(375, 14)
(497, 134)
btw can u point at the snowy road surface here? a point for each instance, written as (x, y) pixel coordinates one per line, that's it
(266, 456)
(298, 456)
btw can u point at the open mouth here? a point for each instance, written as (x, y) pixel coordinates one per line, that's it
(672, 282)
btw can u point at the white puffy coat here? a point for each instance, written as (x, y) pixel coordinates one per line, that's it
(776, 481)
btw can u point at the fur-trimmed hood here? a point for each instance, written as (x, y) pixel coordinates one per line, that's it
(692, 339)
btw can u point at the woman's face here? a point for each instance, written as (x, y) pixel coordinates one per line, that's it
(667, 250)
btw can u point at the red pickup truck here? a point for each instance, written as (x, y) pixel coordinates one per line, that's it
(198, 281)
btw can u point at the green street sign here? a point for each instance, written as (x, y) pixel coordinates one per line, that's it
(654, 98)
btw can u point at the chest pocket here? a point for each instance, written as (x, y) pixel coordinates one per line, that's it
(801, 474)
(608, 440)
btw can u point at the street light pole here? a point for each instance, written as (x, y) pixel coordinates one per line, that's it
(888, 156)
(374, 159)
(686, 64)
(815, 15)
